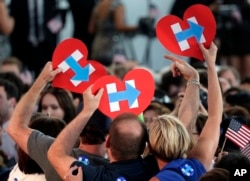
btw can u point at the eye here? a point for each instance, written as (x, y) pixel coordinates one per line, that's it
(54, 107)
(44, 107)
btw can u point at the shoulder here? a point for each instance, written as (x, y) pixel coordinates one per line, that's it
(37, 136)
(197, 165)
(89, 171)
(90, 159)
(154, 179)
(38, 143)
(191, 169)
(169, 175)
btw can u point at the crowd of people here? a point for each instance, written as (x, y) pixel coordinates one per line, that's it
(53, 134)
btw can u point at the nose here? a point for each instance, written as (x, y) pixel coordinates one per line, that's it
(47, 110)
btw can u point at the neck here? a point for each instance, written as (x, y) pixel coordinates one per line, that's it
(93, 149)
(161, 163)
(110, 156)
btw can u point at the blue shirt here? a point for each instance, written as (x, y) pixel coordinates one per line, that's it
(182, 170)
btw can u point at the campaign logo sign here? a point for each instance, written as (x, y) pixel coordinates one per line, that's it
(133, 94)
(78, 73)
(183, 37)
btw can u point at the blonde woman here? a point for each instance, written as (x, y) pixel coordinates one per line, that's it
(170, 141)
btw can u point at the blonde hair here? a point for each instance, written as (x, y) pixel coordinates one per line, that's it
(168, 138)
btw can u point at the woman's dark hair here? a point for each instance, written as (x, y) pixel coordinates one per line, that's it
(64, 99)
(48, 126)
(216, 174)
(233, 161)
(167, 80)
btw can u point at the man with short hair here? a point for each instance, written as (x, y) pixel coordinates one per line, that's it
(8, 99)
(12, 64)
(127, 138)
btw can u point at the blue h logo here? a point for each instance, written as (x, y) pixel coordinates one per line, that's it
(194, 30)
(81, 73)
(187, 170)
(130, 94)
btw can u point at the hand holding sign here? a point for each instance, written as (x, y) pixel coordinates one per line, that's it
(78, 72)
(182, 37)
(130, 95)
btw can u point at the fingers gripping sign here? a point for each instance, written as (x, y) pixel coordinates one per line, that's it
(48, 74)
(92, 99)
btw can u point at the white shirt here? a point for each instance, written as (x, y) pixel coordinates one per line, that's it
(17, 175)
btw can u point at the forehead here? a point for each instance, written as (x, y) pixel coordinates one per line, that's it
(2, 90)
(49, 98)
(9, 68)
(3, 93)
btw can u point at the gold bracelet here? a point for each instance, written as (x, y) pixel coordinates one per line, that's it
(193, 81)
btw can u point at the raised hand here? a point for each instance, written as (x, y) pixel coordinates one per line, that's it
(182, 68)
(91, 101)
(209, 54)
(48, 73)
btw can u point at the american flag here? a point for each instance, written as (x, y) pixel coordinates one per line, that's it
(238, 133)
(246, 151)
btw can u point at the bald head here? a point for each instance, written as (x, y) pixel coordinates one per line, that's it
(128, 137)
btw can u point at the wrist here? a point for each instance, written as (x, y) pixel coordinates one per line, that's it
(87, 112)
(195, 76)
(193, 82)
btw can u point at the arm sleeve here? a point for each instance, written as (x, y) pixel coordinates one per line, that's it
(38, 145)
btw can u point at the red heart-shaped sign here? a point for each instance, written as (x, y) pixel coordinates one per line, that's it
(78, 72)
(133, 94)
(182, 36)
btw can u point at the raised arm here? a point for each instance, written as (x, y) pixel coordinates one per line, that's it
(208, 141)
(60, 151)
(18, 125)
(190, 104)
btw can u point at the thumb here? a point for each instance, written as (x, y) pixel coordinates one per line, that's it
(99, 94)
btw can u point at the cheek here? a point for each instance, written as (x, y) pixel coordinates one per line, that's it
(60, 113)
(44, 110)
(56, 113)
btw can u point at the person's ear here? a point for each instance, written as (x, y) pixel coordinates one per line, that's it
(12, 101)
(108, 142)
